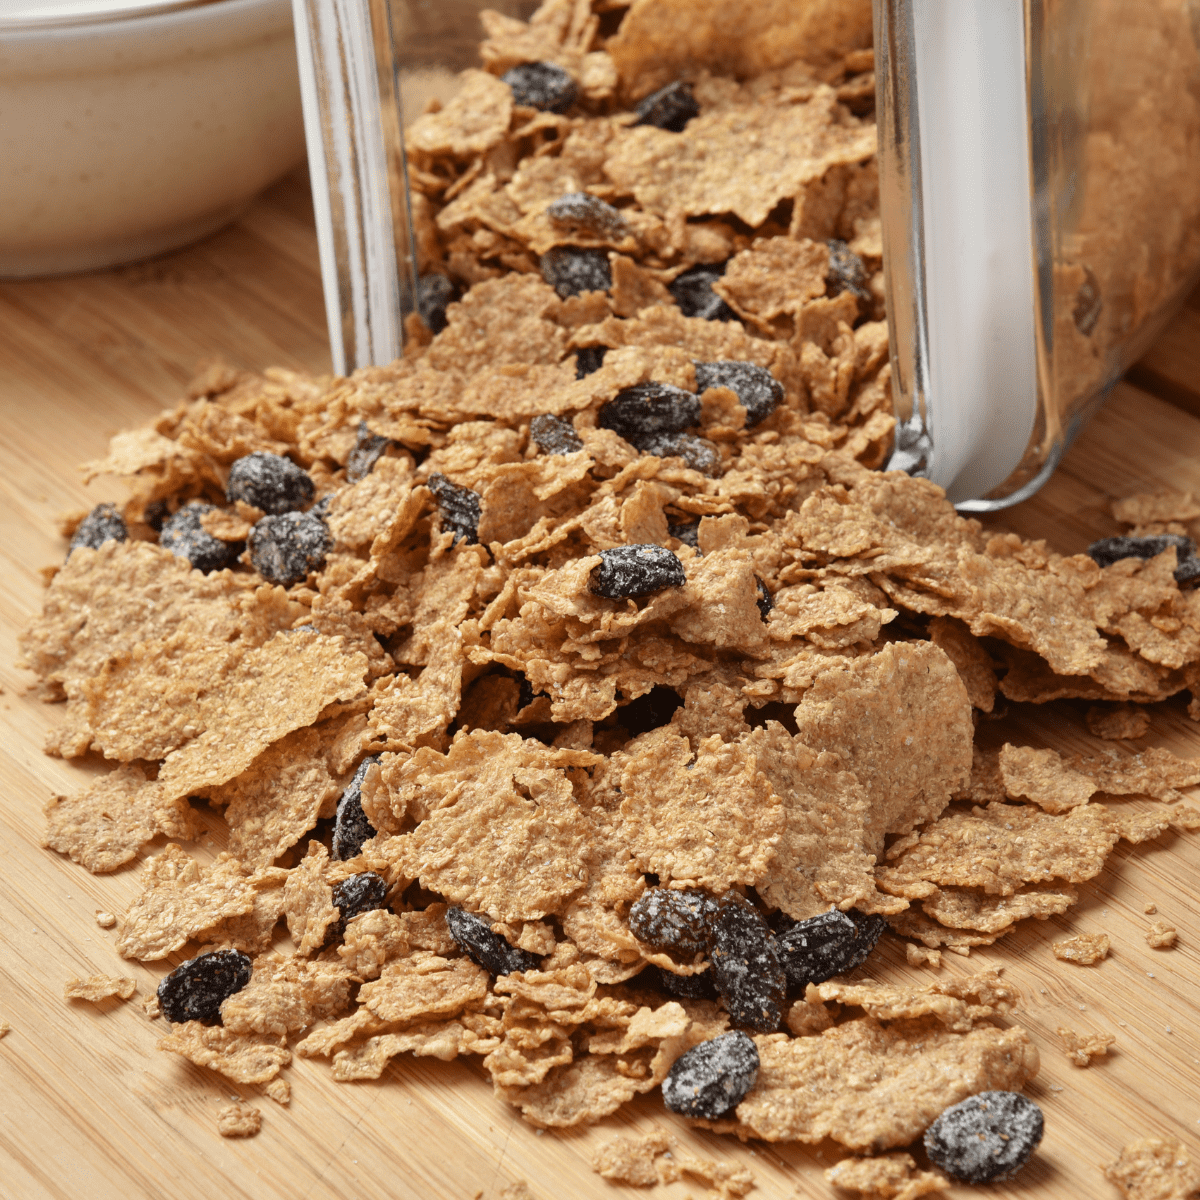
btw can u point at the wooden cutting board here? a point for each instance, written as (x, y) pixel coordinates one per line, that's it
(88, 1107)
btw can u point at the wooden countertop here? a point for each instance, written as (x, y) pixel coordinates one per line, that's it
(87, 1105)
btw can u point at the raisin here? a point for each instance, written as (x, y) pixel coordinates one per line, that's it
(693, 293)
(846, 272)
(1088, 304)
(668, 919)
(541, 85)
(688, 532)
(671, 107)
(987, 1138)
(360, 893)
(626, 572)
(553, 435)
(589, 360)
(458, 506)
(102, 524)
(712, 1079)
(687, 987)
(570, 270)
(588, 214)
(196, 989)
(155, 514)
(765, 600)
(818, 948)
(368, 450)
(699, 454)
(186, 538)
(747, 965)
(641, 411)
(435, 293)
(756, 388)
(284, 548)
(270, 482)
(1107, 551)
(1188, 571)
(474, 937)
(350, 825)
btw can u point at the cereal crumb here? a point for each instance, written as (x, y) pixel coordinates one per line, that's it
(105, 920)
(1082, 1048)
(1150, 908)
(1160, 935)
(99, 987)
(5, 1028)
(238, 1120)
(655, 1158)
(888, 1177)
(919, 956)
(151, 1006)
(280, 1091)
(1085, 948)
(1155, 1169)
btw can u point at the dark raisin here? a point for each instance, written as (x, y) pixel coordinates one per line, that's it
(588, 360)
(588, 214)
(196, 989)
(360, 893)
(1107, 551)
(818, 948)
(712, 1078)
(570, 270)
(541, 85)
(474, 937)
(671, 107)
(686, 987)
(626, 572)
(350, 825)
(687, 532)
(699, 454)
(368, 450)
(987, 1138)
(553, 435)
(693, 293)
(270, 482)
(765, 600)
(155, 514)
(284, 548)
(1188, 571)
(435, 293)
(102, 524)
(186, 538)
(458, 506)
(645, 409)
(1088, 304)
(847, 273)
(747, 965)
(757, 389)
(668, 919)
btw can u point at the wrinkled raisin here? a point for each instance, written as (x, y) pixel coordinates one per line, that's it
(435, 293)
(818, 948)
(570, 270)
(765, 600)
(368, 449)
(360, 893)
(270, 482)
(589, 214)
(474, 937)
(712, 1078)
(541, 85)
(699, 454)
(1188, 571)
(1088, 304)
(688, 532)
(1107, 551)
(196, 989)
(756, 388)
(458, 506)
(646, 409)
(693, 293)
(747, 965)
(626, 572)
(350, 825)
(986, 1138)
(588, 360)
(284, 548)
(186, 538)
(668, 919)
(847, 273)
(553, 435)
(102, 524)
(686, 987)
(671, 107)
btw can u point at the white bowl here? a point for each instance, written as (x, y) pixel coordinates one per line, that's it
(127, 130)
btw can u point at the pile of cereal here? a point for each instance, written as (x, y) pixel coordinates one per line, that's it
(576, 689)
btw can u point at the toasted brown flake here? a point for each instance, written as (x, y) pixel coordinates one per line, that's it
(1081, 1048)
(285, 996)
(1152, 772)
(972, 661)
(238, 1120)
(308, 900)
(1043, 777)
(958, 1004)
(424, 985)
(887, 1177)
(1084, 948)
(631, 1160)
(1118, 721)
(1152, 508)
(240, 1057)
(1155, 1169)
(471, 123)
(99, 987)
(912, 922)
(919, 956)
(961, 908)
(1161, 936)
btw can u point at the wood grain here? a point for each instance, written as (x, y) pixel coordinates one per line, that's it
(88, 1107)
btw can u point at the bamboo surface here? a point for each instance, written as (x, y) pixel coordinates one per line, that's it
(88, 1107)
